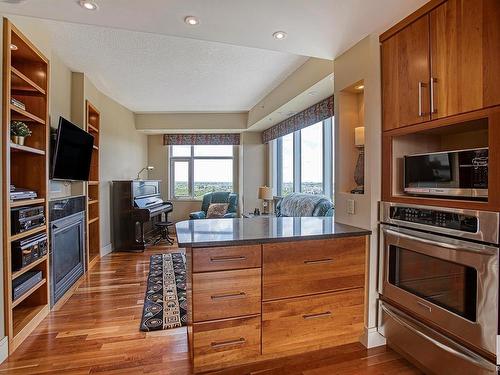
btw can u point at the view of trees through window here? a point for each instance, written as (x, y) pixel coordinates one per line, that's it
(197, 170)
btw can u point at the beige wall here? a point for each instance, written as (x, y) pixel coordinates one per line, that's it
(122, 152)
(362, 62)
(182, 122)
(253, 164)
(310, 73)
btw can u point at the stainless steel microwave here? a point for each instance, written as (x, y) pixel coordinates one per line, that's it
(461, 173)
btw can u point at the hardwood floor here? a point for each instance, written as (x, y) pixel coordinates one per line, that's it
(97, 332)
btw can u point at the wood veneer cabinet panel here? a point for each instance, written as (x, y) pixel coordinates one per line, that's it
(26, 75)
(390, 184)
(226, 258)
(405, 76)
(312, 322)
(225, 294)
(465, 51)
(307, 267)
(221, 343)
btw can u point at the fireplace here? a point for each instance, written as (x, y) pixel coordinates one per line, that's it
(67, 244)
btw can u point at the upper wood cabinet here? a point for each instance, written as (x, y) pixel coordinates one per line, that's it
(443, 63)
(465, 53)
(405, 75)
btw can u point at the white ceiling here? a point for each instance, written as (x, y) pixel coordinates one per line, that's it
(319, 28)
(159, 73)
(142, 54)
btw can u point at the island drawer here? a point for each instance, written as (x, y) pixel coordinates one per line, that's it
(292, 269)
(226, 258)
(229, 341)
(226, 294)
(313, 322)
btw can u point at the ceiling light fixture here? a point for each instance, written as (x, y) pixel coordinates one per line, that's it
(279, 35)
(13, 47)
(312, 93)
(88, 4)
(191, 20)
(360, 87)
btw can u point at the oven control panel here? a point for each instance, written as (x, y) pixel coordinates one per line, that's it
(435, 218)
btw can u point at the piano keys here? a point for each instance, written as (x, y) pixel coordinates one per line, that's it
(137, 205)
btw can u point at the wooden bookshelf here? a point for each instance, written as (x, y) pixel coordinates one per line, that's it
(93, 121)
(26, 78)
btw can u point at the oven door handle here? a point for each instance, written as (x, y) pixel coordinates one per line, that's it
(442, 241)
(465, 354)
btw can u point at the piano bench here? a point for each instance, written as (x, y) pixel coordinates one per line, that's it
(162, 227)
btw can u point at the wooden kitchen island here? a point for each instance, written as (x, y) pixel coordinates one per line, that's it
(264, 288)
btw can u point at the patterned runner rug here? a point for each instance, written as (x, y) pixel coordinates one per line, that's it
(165, 302)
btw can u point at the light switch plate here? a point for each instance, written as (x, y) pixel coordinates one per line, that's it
(351, 206)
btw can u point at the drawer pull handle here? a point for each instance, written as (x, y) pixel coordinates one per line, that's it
(316, 316)
(222, 344)
(227, 259)
(229, 296)
(317, 261)
(423, 305)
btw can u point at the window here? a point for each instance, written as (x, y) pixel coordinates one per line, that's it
(286, 165)
(304, 160)
(197, 170)
(311, 159)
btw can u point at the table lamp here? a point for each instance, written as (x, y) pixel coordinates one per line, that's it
(148, 168)
(266, 194)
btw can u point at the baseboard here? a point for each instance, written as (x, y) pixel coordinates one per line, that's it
(371, 338)
(4, 349)
(106, 250)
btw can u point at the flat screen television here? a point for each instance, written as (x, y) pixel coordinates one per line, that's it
(72, 152)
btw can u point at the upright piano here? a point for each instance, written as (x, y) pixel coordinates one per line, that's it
(137, 205)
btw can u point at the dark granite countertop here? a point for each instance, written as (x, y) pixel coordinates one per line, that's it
(224, 232)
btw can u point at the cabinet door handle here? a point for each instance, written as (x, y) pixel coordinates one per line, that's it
(420, 111)
(227, 259)
(325, 314)
(222, 344)
(229, 296)
(431, 83)
(317, 261)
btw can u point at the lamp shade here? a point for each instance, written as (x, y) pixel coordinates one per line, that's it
(359, 136)
(266, 193)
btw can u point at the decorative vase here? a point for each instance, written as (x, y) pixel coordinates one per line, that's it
(359, 173)
(17, 139)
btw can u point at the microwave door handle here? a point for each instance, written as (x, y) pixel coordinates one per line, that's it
(455, 245)
(464, 354)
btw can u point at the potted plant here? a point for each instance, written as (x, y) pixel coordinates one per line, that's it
(19, 131)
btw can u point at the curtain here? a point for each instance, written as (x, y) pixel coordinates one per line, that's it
(201, 139)
(310, 116)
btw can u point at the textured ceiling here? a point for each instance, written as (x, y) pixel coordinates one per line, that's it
(319, 28)
(156, 73)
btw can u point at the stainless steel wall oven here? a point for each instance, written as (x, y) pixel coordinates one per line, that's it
(439, 266)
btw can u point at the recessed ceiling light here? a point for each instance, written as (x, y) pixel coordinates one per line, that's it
(13, 47)
(191, 20)
(88, 4)
(279, 35)
(360, 87)
(312, 93)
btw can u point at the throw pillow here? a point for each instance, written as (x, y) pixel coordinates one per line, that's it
(217, 210)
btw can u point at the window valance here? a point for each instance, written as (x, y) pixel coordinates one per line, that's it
(310, 116)
(201, 139)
